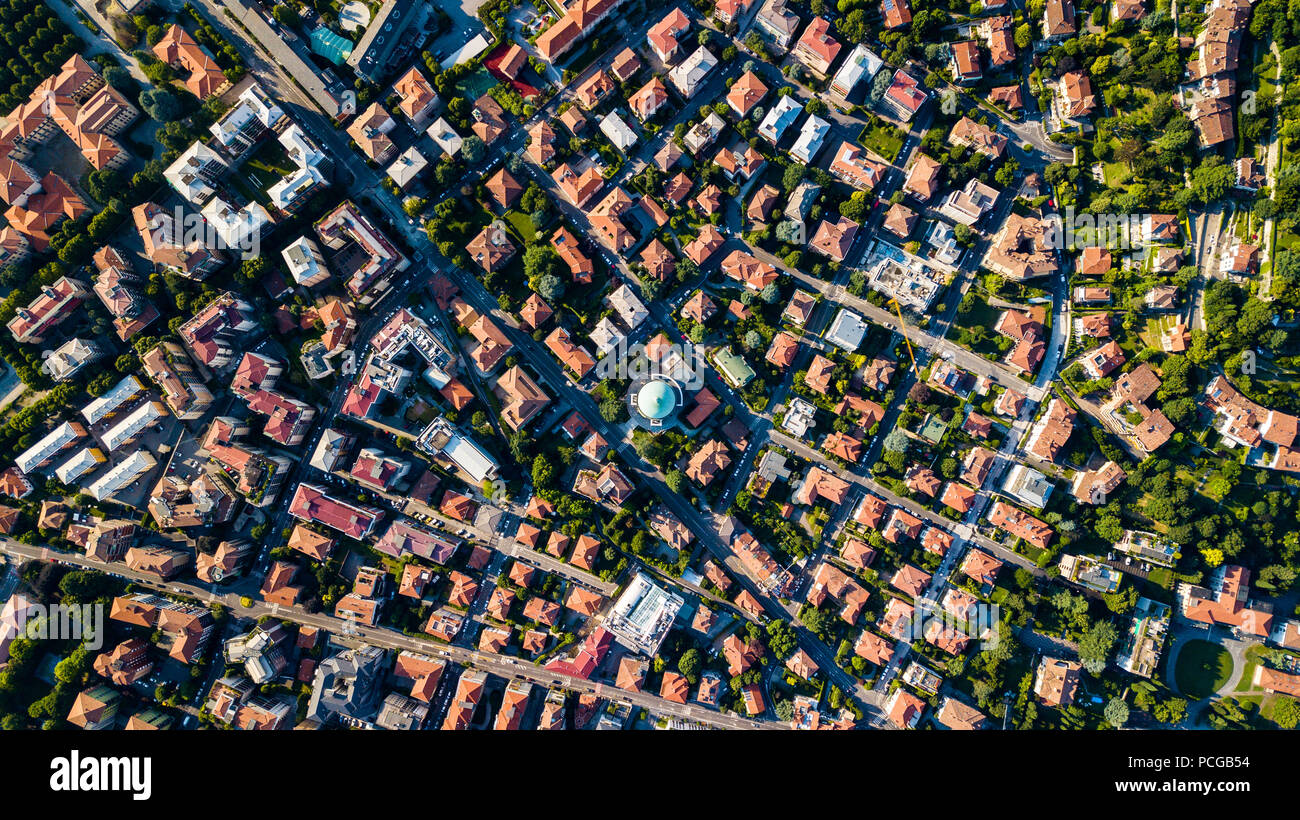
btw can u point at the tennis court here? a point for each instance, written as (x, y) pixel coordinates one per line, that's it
(476, 85)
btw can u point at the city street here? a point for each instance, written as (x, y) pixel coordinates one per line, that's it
(500, 665)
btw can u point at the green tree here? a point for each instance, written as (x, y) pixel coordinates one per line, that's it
(1116, 713)
(541, 260)
(612, 410)
(160, 105)
(676, 481)
(1286, 712)
(550, 288)
(1095, 645)
(896, 441)
(473, 149)
(286, 15)
(855, 206)
(73, 669)
(792, 176)
(543, 473)
(119, 78)
(689, 664)
(1212, 179)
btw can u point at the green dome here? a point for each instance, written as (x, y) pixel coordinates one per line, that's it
(655, 400)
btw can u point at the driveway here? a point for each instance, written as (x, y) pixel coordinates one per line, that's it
(464, 25)
(1220, 636)
(96, 44)
(1180, 634)
(11, 388)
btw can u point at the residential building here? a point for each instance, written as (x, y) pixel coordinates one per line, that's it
(203, 77)
(689, 75)
(816, 48)
(812, 135)
(1057, 681)
(970, 204)
(51, 307)
(905, 96)
(861, 67)
(665, 36)
(777, 23)
(779, 118)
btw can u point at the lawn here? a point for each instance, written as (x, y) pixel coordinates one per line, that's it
(1253, 657)
(247, 187)
(267, 166)
(1116, 173)
(979, 314)
(974, 328)
(272, 158)
(1202, 668)
(882, 138)
(523, 225)
(1286, 241)
(1154, 328)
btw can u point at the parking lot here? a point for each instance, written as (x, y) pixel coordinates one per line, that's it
(464, 26)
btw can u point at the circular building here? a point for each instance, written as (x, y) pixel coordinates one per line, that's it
(655, 402)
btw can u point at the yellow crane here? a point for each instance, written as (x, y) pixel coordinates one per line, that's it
(902, 325)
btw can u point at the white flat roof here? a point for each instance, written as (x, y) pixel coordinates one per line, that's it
(847, 331)
(122, 474)
(468, 456)
(86, 459)
(122, 392)
(42, 451)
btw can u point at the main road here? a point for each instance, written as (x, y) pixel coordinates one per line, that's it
(500, 665)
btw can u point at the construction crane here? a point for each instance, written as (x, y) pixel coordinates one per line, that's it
(901, 330)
